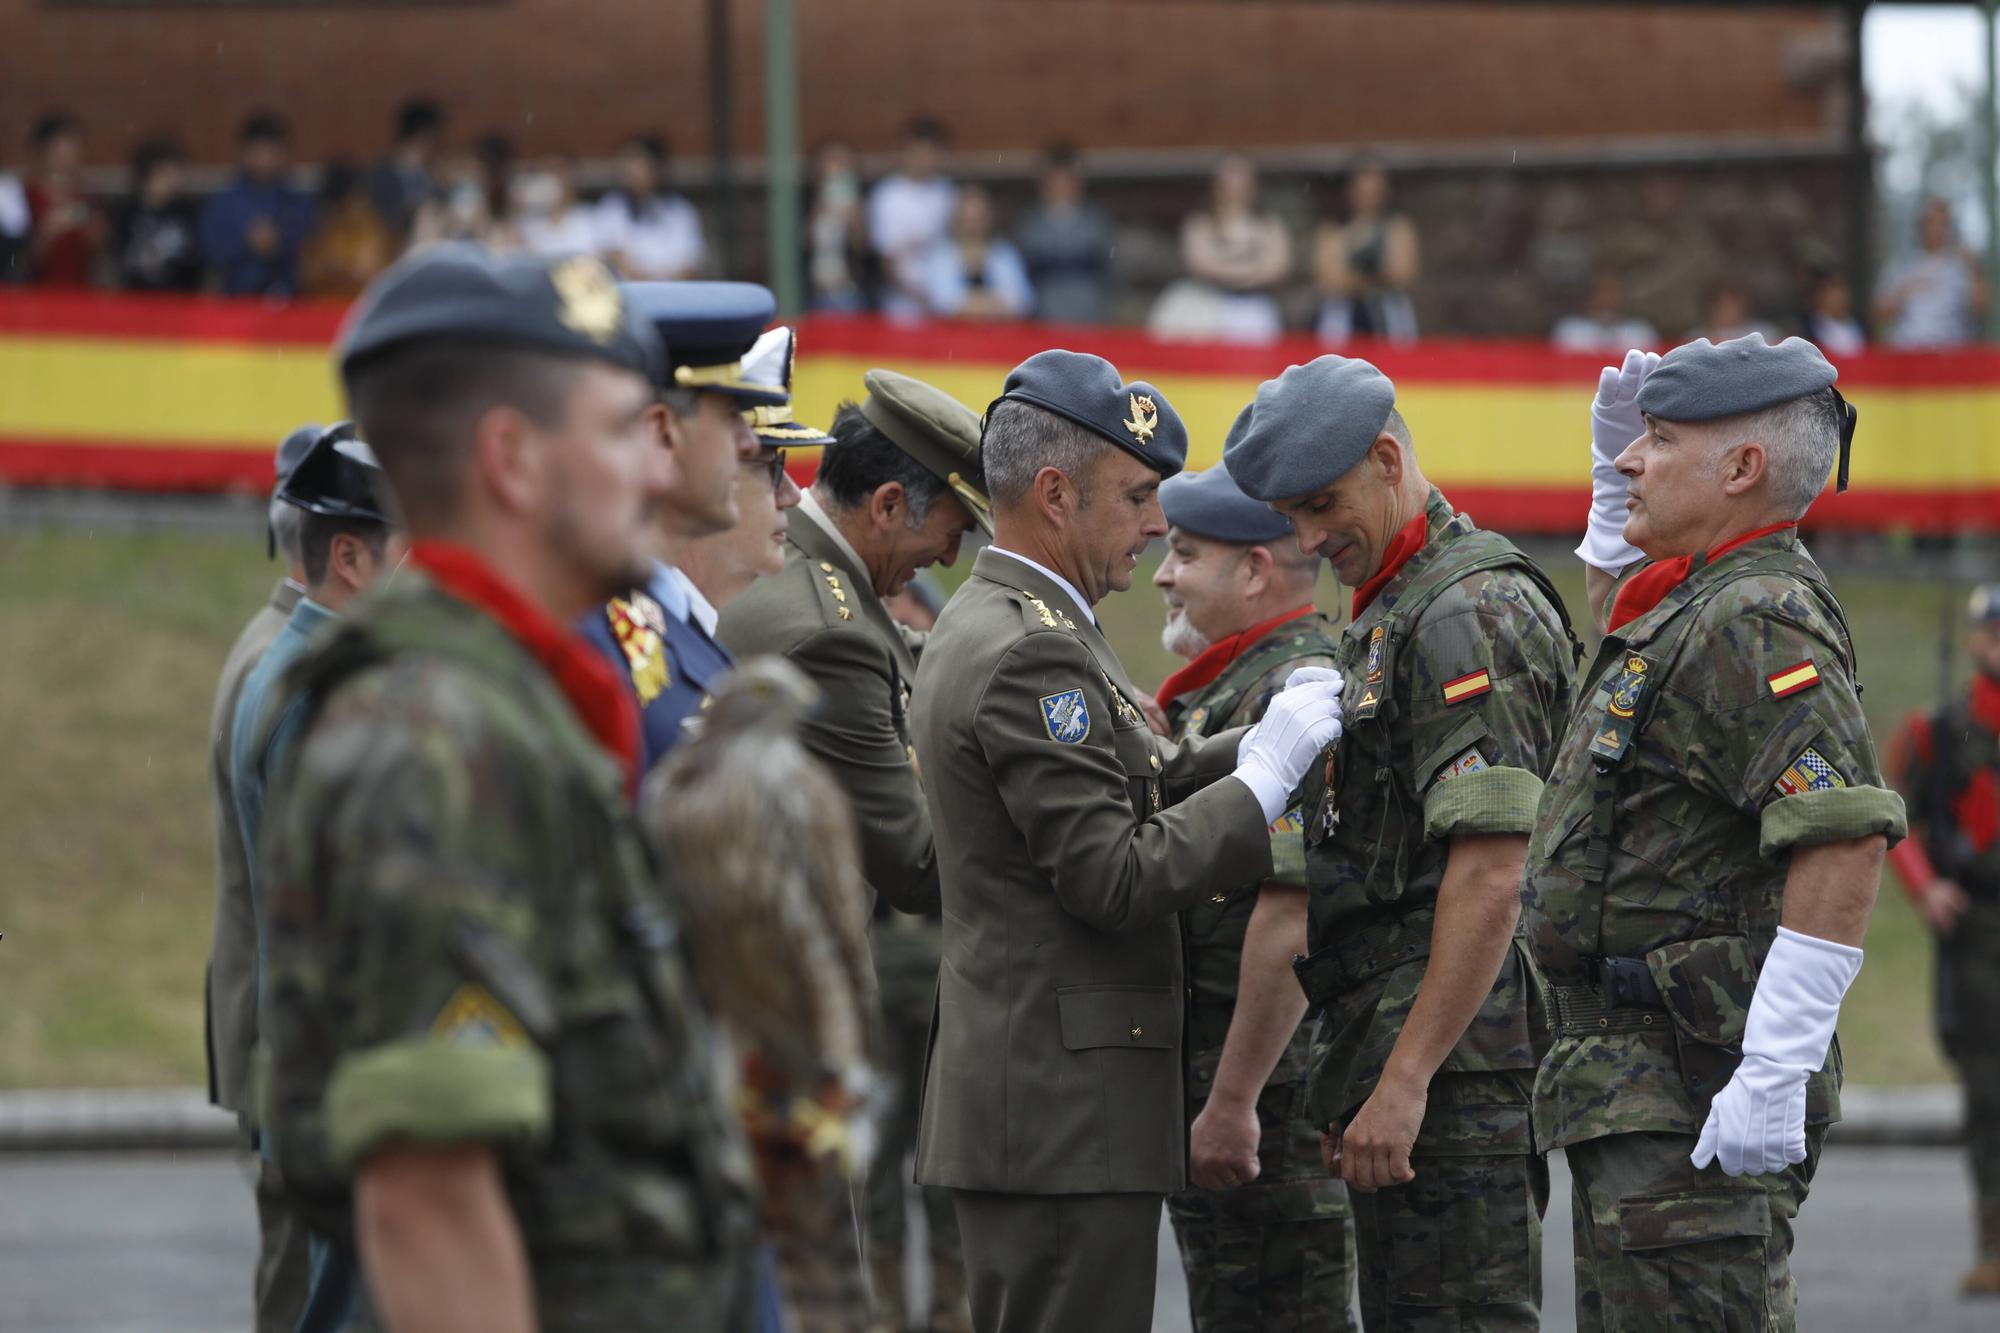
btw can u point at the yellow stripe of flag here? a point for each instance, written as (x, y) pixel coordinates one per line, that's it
(1803, 674)
(1472, 684)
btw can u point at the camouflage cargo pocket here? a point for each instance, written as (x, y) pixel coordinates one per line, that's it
(1706, 985)
(1466, 1231)
(1694, 1260)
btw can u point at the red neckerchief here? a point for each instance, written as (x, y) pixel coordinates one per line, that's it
(1217, 657)
(588, 681)
(1401, 547)
(1650, 586)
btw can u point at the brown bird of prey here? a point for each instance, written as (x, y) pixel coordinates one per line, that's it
(760, 847)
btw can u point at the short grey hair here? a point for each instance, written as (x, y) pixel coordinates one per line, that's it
(1801, 438)
(1397, 429)
(286, 522)
(1021, 439)
(681, 401)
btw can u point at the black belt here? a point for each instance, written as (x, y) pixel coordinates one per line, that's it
(1625, 998)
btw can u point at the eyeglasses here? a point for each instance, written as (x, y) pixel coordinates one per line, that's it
(771, 462)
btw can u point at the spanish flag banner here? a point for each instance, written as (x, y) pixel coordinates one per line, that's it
(192, 394)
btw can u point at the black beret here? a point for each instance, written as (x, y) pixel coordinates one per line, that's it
(1306, 428)
(462, 291)
(340, 478)
(1210, 504)
(1701, 380)
(707, 328)
(1086, 389)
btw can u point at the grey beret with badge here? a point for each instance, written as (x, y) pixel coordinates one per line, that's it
(934, 428)
(465, 293)
(1086, 389)
(1305, 429)
(1210, 504)
(1706, 381)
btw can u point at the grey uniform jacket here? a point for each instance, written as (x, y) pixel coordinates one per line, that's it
(1068, 836)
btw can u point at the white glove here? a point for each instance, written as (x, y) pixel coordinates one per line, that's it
(1615, 421)
(1302, 720)
(1757, 1123)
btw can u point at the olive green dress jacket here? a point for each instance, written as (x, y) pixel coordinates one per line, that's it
(1068, 837)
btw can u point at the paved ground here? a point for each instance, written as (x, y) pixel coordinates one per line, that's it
(144, 1243)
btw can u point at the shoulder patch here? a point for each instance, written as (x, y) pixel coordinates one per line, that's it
(1375, 643)
(1802, 676)
(1066, 716)
(1809, 772)
(1292, 821)
(1467, 687)
(472, 1017)
(1472, 761)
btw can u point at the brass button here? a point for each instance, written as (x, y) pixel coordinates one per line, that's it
(1156, 760)
(1138, 1032)
(1220, 898)
(825, 567)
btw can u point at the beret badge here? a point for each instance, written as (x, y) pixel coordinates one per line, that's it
(1145, 417)
(589, 296)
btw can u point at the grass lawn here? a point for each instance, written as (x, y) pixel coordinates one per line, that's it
(111, 645)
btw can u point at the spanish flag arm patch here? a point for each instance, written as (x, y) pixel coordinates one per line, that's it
(1468, 687)
(1792, 679)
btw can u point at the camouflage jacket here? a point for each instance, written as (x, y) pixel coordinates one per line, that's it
(1947, 768)
(1214, 930)
(1458, 681)
(469, 942)
(1719, 730)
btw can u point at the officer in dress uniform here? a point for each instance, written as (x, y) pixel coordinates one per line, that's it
(1710, 842)
(898, 489)
(1265, 1237)
(660, 636)
(1069, 837)
(488, 1061)
(1947, 768)
(1458, 661)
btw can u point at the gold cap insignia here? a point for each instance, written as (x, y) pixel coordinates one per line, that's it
(589, 295)
(1145, 416)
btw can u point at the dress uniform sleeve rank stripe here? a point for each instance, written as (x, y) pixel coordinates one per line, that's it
(1793, 679)
(1467, 687)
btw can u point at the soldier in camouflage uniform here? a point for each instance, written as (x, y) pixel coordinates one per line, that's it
(1265, 1238)
(1709, 844)
(1458, 662)
(487, 1061)
(1947, 767)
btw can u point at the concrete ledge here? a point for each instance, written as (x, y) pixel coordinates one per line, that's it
(46, 1120)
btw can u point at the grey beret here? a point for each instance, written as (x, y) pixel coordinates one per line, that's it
(1307, 427)
(1085, 388)
(1701, 380)
(1209, 504)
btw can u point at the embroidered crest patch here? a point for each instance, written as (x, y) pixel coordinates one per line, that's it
(1809, 772)
(1292, 821)
(1469, 762)
(1793, 679)
(472, 1017)
(1197, 719)
(1467, 687)
(1375, 646)
(1629, 688)
(1066, 716)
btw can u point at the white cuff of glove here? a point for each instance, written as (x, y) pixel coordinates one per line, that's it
(1604, 546)
(1270, 790)
(1757, 1123)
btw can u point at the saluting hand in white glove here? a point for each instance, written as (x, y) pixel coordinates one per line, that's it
(1615, 421)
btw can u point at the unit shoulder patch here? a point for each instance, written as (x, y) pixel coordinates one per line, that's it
(472, 1017)
(1472, 761)
(1066, 716)
(1809, 772)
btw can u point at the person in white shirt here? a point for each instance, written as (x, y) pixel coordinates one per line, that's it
(1603, 325)
(645, 230)
(1937, 296)
(909, 212)
(972, 274)
(544, 216)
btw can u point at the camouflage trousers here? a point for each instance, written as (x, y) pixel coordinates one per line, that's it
(1277, 1254)
(1457, 1249)
(1969, 1023)
(1662, 1246)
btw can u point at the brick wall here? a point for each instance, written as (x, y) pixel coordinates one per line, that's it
(573, 75)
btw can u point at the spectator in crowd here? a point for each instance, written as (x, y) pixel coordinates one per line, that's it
(1604, 324)
(350, 243)
(645, 230)
(1367, 267)
(1236, 256)
(972, 274)
(155, 244)
(909, 212)
(545, 216)
(1937, 296)
(1729, 314)
(14, 227)
(837, 258)
(469, 198)
(401, 182)
(1829, 322)
(252, 229)
(1066, 245)
(65, 231)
